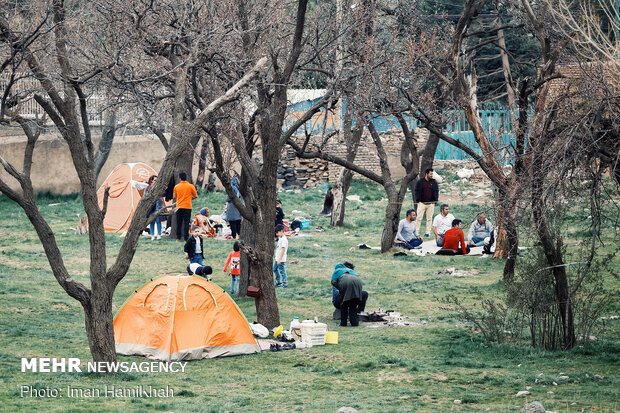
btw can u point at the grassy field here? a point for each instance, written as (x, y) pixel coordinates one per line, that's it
(373, 368)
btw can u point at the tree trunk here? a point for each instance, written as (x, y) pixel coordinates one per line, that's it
(105, 144)
(247, 236)
(185, 163)
(553, 253)
(507, 235)
(202, 163)
(261, 268)
(392, 216)
(99, 319)
(339, 191)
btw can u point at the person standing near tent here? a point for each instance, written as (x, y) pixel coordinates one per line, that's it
(184, 193)
(159, 204)
(193, 247)
(233, 216)
(234, 259)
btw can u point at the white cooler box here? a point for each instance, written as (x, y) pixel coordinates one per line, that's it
(313, 333)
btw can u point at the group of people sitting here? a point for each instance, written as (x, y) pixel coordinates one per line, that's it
(447, 230)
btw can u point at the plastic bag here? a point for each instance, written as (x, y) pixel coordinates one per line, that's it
(259, 330)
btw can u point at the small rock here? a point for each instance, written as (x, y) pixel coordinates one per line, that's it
(533, 407)
(554, 383)
(549, 392)
(465, 173)
(346, 409)
(598, 376)
(564, 377)
(518, 365)
(528, 387)
(523, 393)
(540, 374)
(457, 402)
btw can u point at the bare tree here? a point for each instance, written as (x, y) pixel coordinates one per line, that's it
(62, 84)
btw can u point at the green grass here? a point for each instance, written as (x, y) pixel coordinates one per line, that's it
(374, 369)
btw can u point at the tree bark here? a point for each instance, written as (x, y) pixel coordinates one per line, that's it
(352, 136)
(202, 163)
(105, 144)
(507, 234)
(339, 191)
(99, 322)
(553, 253)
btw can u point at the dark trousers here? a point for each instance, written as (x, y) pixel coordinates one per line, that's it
(184, 217)
(452, 252)
(350, 309)
(235, 228)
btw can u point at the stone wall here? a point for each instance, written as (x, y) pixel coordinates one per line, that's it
(53, 170)
(52, 167)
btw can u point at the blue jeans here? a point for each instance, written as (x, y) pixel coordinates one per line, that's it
(440, 242)
(412, 243)
(477, 241)
(234, 284)
(197, 258)
(156, 222)
(280, 273)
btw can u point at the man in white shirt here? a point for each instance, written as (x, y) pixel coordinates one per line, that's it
(442, 223)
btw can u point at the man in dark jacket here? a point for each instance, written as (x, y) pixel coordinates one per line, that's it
(426, 195)
(350, 298)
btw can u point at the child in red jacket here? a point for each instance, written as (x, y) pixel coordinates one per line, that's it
(234, 259)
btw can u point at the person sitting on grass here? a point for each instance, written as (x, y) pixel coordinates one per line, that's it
(202, 221)
(407, 235)
(451, 240)
(441, 223)
(347, 294)
(479, 230)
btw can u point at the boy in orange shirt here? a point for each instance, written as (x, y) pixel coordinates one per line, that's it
(234, 259)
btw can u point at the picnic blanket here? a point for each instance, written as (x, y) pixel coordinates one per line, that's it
(430, 247)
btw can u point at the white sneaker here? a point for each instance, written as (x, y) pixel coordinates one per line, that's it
(159, 237)
(152, 238)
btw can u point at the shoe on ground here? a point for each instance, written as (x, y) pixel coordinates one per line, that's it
(427, 235)
(419, 247)
(231, 292)
(278, 284)
(152, 238)
(159, 237)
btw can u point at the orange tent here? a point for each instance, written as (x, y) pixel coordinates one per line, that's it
(181, 317)
(124, 194)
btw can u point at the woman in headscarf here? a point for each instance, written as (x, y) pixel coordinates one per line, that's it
(202, 221)
(347, 293)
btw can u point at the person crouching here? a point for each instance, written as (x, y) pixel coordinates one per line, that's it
(351, 299)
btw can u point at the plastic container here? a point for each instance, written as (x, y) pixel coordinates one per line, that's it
(331, 337)
(305, 223)
(313, 332)
(296, 329)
